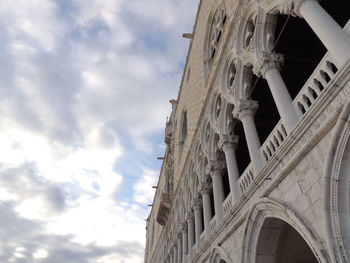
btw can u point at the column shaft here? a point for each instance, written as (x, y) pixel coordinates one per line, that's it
(198, 224)
(179, 249)
(282, 98)
(253, 141)
(184, 242)
(190, 225)
(176, 259)
(206, 211)
(232, 169)
(219, 195)
(329, 32)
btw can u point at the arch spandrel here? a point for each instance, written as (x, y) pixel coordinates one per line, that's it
(228, 121)
(265, 31)
(337, 189)
(219, 255)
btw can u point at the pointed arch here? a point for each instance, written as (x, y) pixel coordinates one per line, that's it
(267, 208)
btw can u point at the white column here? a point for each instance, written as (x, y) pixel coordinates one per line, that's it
(171, 256)
(245, 111)
(268, 67)
(176, 259)
(197, 207)
(205, 191)
(229, 145)
(190, 225)
(329, 32)
(184, 240)
(179, 248)
(218, 187)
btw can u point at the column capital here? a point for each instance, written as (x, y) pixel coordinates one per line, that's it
(197, 203)
(216, 167)
(205, 188)
(244, 108)
(293, 7)
(266, 61)
(189, 216)
(183, 227)
(228, 142)
(179, 237)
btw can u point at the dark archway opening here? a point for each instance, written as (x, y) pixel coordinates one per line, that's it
(212, 206)
(338, 10)
(226, 183)
(280, 243)
(267, 115)
(202, 217)
(302, 51)
(242, 153)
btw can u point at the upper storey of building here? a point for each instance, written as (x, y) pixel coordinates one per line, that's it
(256, 71)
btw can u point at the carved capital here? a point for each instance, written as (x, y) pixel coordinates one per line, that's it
(205, 188)
(266, 61)
(217, 167)
(189, 216)
(229, 142)
(293, 7)
(197, 203)
(244, 108)
(184, 227)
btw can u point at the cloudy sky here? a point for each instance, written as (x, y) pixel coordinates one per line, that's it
(84, 94)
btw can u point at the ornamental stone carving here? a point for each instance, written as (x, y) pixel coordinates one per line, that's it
(293, 7)
(189, 216)
(266, 61)
(216, 30)
(197, 203)
(245, 107)
(217, 166)
(183, 227)
(229, 142)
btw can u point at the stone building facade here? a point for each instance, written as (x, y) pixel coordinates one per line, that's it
(257, 164)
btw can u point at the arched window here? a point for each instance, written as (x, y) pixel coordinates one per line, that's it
(183, 130)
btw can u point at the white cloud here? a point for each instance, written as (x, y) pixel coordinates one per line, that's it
(34, 20)
(82, 83)
(143, 193)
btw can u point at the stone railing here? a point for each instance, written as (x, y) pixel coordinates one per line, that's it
(317, 82)
(274, 141)
(212, 223)
(315, 85)
(228, 203)
(202, 239)
(246, 178)
(193, 249)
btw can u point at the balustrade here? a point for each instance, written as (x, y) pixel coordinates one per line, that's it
(315, 85)
(228, 204)
(246, 178)
(274, 141)
(212, 224)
